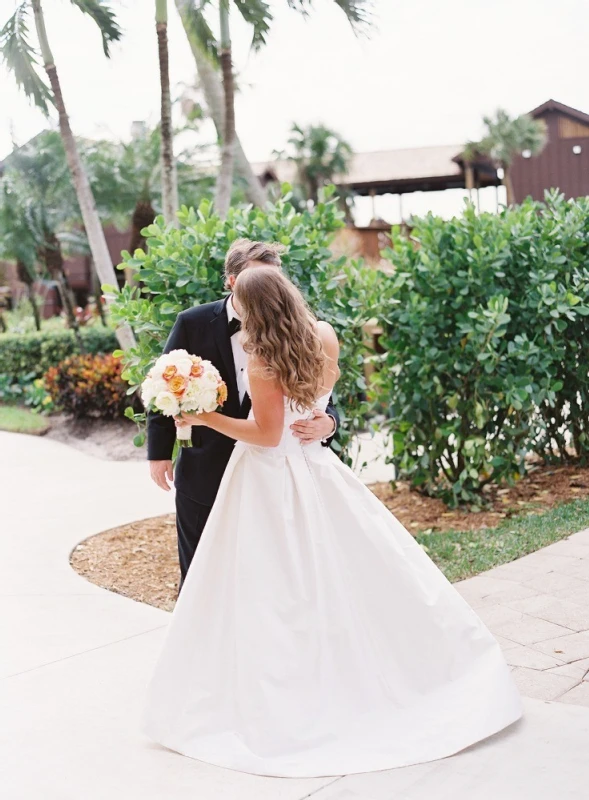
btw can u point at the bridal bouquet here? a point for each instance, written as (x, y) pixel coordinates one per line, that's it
(180, 382)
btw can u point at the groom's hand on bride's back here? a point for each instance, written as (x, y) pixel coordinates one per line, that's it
(162, 472)
(318, 428)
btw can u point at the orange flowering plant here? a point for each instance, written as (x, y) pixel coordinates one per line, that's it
(179, 381)
(88, 386)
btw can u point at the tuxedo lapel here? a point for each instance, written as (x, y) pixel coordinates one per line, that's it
(220, 326)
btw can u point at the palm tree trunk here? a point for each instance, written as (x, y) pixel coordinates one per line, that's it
(25, 277)
(94, 231)
(53, 258)
(169, 178)
(225, 177)
(213, 92)
(508, 183)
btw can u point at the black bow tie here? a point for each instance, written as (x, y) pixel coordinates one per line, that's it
(234, 326)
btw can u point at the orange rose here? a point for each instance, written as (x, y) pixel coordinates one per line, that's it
(169, 373)
(177, 385)
(221, 394)
(197, 370)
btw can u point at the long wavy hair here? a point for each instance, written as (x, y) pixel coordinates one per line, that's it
(281, 332)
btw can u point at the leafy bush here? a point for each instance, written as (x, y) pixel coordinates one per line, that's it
(184, 267)
(486, 323)
(34, 353)
(88, 386)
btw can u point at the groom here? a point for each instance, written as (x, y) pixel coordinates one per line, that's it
(209, 331)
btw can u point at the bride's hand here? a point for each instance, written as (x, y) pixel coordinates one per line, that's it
(191, 419)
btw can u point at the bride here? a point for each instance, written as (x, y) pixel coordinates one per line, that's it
(313, 636)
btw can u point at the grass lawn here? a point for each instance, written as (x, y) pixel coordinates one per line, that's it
(20, 420)
(461, 554)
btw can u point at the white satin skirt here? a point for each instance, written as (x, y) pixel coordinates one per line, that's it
(314, 637)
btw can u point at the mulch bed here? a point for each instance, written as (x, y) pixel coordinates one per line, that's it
(140, 560)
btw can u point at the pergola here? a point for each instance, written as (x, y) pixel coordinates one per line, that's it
(399, 172)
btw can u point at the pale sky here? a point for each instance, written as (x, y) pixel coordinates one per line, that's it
(428, 73)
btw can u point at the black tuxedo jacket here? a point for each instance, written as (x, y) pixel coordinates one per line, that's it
(202, 331)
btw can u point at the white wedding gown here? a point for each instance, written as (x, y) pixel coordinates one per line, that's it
(314, 637)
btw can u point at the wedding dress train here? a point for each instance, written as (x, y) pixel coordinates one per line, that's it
(313, 635)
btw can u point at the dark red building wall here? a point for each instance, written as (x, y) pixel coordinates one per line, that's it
(556, 166)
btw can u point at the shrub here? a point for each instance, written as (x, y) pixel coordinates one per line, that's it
(34, 353)
(184, 267)
(482, 311)
(88, 386)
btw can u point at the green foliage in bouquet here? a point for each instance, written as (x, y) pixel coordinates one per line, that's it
(183, 267)
(88, 386)
(486, 345)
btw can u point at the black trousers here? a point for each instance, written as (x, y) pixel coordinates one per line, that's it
(191, 517)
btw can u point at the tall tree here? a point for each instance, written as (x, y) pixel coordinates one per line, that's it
(37, 212)
(210, 53)
(169, 179)
(22, 59)
(508, 137)
(320, 156)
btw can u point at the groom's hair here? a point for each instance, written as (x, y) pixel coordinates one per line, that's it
(242, 251)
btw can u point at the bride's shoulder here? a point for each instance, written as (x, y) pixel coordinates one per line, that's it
(328, 336)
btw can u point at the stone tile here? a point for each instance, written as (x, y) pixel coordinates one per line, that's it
(581, 537)
(579, 596)
(555, 583)
(520, 656)
(505, 644)
(568, 548)
(529, 630)
(482, 588)
(496, 614)
(554, 609)
(541, 685)
(567, 648)
(576, 669)
(513, 571)
(578, 695)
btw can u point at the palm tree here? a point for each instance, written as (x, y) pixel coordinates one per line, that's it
(38, 214)
(219, 92)
(507, 138)
(22, 59)
(17, 244)
(169, 180)
(127, 178)
(320, 155)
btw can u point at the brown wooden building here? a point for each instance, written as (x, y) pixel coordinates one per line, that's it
(564, 162)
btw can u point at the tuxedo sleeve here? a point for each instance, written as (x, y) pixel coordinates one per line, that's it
(332, 411)
(161, 431)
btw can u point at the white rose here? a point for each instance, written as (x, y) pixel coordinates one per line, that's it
(208, 399)
(191, 397)
(183, 365)
(175, 358)
(167, 404)
(149, 389)
(210, 379)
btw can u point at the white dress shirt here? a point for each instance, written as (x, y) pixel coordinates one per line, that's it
(239, 354)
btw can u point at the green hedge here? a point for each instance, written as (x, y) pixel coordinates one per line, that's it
(486, 323)
(33, 353)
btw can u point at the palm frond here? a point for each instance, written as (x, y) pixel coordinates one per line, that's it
(257, 14)
(21, 58)
(104, 17)
(358, 12)
(194, 17)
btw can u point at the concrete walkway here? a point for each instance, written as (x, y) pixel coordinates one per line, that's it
(74, 661)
